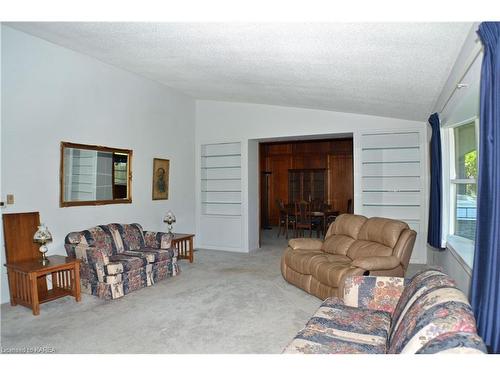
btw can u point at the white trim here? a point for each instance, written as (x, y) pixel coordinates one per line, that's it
(464, 122)
(463, 181)
(224, 248)
(447, 209)
(455, 250)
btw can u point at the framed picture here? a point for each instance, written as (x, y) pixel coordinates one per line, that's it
(160, 178)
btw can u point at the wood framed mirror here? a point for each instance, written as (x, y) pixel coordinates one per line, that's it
(94, 175)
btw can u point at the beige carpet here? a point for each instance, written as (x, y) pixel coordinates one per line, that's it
(223, 303)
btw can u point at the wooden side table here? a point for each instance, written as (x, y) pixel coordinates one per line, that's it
(23, 278)
(184, 243)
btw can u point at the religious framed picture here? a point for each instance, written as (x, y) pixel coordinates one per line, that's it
(160, 178)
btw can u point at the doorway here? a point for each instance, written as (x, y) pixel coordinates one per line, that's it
(319, 172)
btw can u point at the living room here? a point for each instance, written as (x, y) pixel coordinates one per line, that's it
(185, 114)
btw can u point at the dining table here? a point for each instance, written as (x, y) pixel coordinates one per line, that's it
(324, 215)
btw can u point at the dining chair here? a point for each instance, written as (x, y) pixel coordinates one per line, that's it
(286, 219)
(303, 219)
(318, 208)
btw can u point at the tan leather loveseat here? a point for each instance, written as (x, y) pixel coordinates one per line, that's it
(353, 245)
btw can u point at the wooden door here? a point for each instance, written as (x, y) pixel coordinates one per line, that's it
(340, 181)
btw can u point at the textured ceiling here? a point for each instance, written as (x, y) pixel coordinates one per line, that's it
(386, 69)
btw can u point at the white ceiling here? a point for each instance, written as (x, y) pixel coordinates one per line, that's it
(386, 69)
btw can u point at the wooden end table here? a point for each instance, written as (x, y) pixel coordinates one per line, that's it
(184, 243)
(23, 283)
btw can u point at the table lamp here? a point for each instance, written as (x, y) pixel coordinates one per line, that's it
(169, 219)
(43, 236)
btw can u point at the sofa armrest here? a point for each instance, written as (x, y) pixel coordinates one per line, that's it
(158, 240)
(305, 244)
(376, 263)
(373, 292)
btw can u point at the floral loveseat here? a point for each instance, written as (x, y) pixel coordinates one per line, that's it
(381, 315)
(120, 258)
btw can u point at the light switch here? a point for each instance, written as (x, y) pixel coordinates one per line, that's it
(10, 198)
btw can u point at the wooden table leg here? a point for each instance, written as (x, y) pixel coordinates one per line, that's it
(76, 285)
(191, 250)
(35, 305)
(12, 276)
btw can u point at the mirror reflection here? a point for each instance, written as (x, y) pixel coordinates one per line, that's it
(94, 175)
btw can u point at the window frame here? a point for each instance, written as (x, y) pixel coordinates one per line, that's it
(459, 244)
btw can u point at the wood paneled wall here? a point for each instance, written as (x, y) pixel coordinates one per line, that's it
(334, 155)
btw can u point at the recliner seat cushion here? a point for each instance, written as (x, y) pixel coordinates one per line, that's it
(337, 244)
(363, 249)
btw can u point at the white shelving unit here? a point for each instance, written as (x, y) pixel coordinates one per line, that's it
(392, 179)
(221, 179)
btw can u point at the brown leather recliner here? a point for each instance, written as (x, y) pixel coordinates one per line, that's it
(353, 245)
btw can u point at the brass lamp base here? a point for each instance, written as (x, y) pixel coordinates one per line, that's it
(44, 259)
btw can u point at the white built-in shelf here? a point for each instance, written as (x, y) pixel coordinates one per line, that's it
(221, 179)
(219, 156)
(212, 179)
(392, 162)
(391, 148)
(392, 176)
(222, 167)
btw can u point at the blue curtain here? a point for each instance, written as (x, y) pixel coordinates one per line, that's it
(434, 230)
(485, 294)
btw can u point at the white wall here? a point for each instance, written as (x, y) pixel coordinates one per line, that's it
(240, 122)
(51, 94)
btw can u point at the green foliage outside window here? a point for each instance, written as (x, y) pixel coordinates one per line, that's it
(471, 171)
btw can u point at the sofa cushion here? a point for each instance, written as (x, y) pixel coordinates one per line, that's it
(439, 310)
(373, 292)
(157, 255)
(158, 240)
(127, 262)
(348, 225)
(336, 328)
(98, 237)
(454, 343)
(338, 244)
(363, 249)
(382, 230)
(418, 285)
(131, 235)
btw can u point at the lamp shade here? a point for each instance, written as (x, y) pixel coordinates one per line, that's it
(169, 218)
(42, 235)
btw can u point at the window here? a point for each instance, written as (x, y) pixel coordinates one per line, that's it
(463, 180)
(460, 196)
(306, 185)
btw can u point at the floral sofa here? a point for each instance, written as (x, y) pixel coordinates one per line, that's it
(120, 258)
(377, 314)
